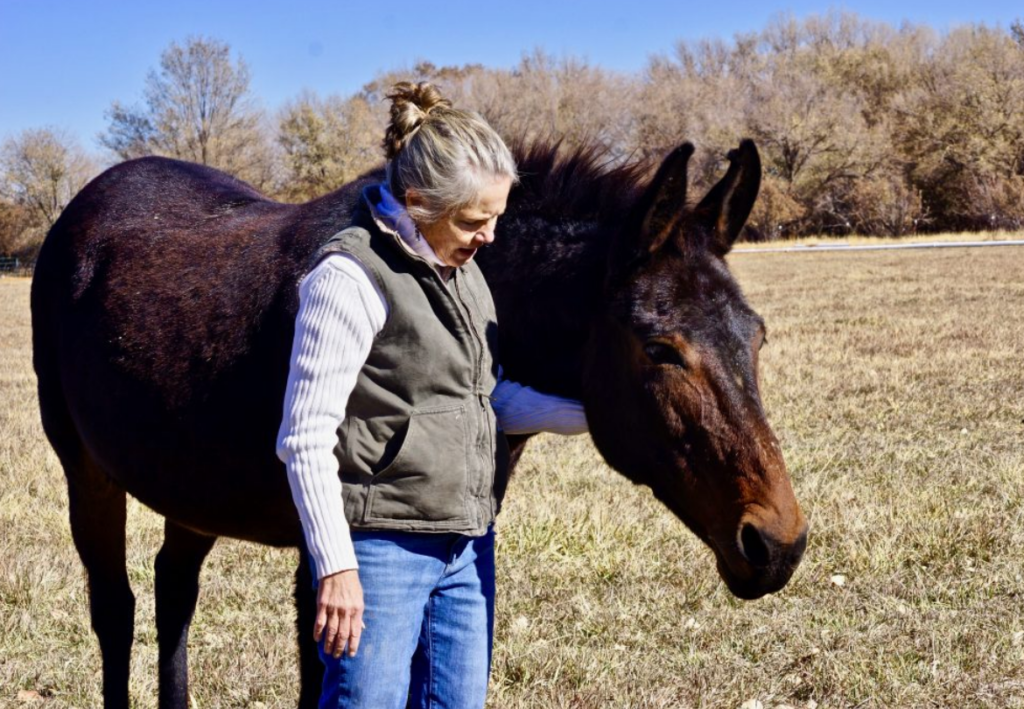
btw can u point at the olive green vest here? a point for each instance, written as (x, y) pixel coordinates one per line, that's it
(419, 449)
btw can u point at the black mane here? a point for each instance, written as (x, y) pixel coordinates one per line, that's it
(581, 184)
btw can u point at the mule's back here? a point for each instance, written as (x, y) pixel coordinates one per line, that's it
(173, 259)
(163, 310)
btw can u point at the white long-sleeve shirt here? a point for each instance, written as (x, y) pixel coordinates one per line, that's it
(340, 313)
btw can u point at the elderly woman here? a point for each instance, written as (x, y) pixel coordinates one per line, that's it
(394, 418)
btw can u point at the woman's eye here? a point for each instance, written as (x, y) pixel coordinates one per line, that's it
(662, 353)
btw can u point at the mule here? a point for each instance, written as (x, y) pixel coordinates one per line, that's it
(163, 309)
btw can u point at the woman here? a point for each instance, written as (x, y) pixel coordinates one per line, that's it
(394, 380)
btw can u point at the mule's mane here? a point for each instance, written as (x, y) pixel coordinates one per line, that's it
(581, 183)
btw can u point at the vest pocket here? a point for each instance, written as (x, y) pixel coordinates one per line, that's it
(427, 478)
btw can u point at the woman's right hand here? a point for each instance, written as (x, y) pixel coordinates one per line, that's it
(339, 612)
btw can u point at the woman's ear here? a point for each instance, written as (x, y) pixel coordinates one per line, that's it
(413, 199)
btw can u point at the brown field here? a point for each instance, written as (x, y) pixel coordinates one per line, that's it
(895, 381)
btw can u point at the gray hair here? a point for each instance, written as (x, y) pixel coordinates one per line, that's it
(445, 154)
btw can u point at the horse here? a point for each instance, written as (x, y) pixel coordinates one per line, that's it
(163, 306)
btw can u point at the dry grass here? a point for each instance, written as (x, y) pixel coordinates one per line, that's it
(896, 383)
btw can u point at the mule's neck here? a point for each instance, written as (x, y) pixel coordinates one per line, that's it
(547, 281)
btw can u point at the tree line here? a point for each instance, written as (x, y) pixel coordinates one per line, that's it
(863, 127)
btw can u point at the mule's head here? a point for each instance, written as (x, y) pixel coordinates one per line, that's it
(671, 379)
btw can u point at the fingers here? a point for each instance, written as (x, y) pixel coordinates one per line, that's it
(343, 630)
(320, 623)
(339, 618)
(355, 632)
(336, 640)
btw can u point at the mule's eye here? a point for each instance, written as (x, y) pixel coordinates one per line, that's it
(664, 353)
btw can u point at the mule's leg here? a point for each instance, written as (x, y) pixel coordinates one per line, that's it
(177, 589)
(311, 670)
(97, 513)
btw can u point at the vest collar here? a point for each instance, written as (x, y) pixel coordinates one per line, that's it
(391, 218)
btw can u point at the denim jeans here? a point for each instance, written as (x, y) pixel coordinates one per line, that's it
(429, 624)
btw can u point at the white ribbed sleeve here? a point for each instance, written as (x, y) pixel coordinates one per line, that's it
(522, 409)
(340, 312)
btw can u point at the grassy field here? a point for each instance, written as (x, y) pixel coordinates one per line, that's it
(895, 381)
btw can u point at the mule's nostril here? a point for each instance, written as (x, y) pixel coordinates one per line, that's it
(753, 546)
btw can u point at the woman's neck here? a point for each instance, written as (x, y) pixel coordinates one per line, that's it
(394, 215)
(390, 214)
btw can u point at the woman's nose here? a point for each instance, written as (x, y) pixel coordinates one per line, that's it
(486, 235)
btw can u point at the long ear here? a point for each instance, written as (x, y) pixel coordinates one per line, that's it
(726, 207)
(654, 217)
(661, 206)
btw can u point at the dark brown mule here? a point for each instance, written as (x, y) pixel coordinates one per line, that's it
(163, 306)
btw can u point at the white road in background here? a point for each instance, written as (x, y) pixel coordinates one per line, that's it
(878, 247)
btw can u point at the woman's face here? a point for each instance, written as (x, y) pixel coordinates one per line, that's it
(456, 236)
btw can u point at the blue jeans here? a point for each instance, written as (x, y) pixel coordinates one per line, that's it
(429, 624)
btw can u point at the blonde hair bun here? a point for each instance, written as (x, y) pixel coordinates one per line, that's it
(445, 154)
(411, 104)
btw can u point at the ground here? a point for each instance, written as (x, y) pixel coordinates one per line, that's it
(895, 381)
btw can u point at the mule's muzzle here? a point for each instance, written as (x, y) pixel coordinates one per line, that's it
(760, 562)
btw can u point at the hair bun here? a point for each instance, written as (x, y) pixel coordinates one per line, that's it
(411, 104)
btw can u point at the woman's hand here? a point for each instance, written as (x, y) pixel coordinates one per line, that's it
(339, 612)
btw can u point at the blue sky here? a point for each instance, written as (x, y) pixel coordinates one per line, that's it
(62, 63)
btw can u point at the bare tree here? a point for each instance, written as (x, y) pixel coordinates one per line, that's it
(564, 99)
(15, 229)
(961, 125)
(41, 170)
(328, 142)
(1017, 32)
(699, 95)
(197, 107)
